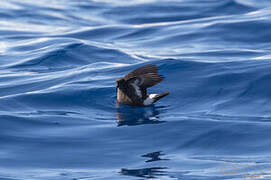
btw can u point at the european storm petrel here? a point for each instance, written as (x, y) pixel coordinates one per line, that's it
(132, 88)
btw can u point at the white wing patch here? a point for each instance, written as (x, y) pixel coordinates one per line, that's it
(136, 87)
(149, 100)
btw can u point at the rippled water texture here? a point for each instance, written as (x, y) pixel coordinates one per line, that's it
(58, 112)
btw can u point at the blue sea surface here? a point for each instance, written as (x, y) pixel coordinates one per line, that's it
(59, 119)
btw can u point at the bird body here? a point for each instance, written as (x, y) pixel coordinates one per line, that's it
(123, 98)
(132, 88)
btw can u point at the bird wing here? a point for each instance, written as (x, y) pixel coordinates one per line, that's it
(133, 91)
(146, 76)
(142, 70)
(135, 86)
(150, 79)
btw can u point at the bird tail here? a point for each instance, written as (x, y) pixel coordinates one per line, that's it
(159, 96)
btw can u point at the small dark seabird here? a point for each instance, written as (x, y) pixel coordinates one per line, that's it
(132, 88)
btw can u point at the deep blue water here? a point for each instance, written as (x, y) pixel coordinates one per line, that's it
(58, 112)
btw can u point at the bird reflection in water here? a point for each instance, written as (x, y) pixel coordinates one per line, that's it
(153, 172)
(144, 173)
(154, 156)
(132, 116)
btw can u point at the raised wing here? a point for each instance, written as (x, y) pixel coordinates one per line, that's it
(145, 76)
(142, 70)
(150, 79)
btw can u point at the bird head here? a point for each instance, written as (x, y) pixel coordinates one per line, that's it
(120, 82)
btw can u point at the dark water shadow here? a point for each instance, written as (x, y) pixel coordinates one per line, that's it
(153, 172)
(154, 156)
(48, 113)
(132, 116)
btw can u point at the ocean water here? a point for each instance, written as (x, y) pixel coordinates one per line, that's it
(59, 119)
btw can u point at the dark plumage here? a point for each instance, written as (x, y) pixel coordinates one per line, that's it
(132, 88)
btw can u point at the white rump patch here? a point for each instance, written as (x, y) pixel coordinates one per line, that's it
(149, 100)
(152, 96)
(136, 87)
